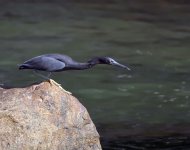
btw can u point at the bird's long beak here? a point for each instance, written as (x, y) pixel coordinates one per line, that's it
(120, 65)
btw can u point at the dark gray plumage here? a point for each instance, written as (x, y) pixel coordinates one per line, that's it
(59, 62)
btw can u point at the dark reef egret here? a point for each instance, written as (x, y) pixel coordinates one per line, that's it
(58, 62)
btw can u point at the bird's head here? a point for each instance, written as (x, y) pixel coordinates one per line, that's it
(111, 61)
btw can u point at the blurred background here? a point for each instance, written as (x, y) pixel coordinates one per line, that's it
(146, 108)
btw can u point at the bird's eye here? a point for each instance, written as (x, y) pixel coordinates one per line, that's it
(111, 61)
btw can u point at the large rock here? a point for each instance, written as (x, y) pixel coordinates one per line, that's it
(44, 117)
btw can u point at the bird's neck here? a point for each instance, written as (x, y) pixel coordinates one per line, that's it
(79, 66)
(86, 65)
(96, 60)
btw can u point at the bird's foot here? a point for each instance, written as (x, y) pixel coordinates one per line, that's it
(52, 82)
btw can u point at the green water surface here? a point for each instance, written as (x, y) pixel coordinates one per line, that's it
(153, 42)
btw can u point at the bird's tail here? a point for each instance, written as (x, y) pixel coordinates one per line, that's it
(23, 66)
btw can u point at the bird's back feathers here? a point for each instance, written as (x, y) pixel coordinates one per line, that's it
(43, 63)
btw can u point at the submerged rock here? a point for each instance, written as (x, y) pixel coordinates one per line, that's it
(44, 117)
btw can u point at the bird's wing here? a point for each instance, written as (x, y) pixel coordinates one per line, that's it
(45, 63)
(64, 58)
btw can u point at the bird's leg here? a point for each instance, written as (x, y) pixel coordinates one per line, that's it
(45, 77)
(51, 81)
(59, 85)
(49, 74)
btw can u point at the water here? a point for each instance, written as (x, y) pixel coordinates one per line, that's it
(150, 102)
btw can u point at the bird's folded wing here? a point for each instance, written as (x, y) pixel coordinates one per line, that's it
(45, 63)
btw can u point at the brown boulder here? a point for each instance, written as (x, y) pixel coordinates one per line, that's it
(44, 117)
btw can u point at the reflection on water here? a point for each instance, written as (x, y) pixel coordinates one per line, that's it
(174, 142)
(152, 38)
(140, 136)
